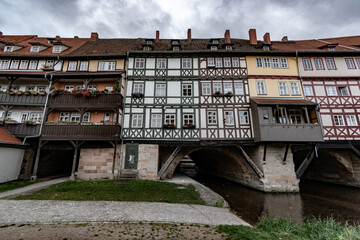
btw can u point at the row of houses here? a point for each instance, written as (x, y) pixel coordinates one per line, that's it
(92, 106)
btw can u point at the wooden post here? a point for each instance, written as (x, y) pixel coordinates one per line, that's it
(72, 177)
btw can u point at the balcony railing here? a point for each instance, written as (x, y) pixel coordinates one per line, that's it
(80, 132)
(22, 130)
(30, 100)
(105, 101)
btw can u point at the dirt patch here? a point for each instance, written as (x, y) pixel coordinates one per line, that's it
(112, 230)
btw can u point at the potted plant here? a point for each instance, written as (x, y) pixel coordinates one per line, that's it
(169, 126)
(27, 93)
(229, 94)
(217, 94)
(30, 123)
(47, 68)
(34, 93)
(11, 93)
(19, 93)
(42, 93)
(137, 95)
(189, 126)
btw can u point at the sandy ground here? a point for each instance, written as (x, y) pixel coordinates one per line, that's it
(112, 230)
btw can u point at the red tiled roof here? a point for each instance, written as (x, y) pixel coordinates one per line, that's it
(6, 137)
(16, 38)
(274, 101)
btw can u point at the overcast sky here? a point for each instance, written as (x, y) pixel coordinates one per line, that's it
(298, 19)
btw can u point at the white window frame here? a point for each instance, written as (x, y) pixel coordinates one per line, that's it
(57, 49)
(69, 88)
(30, 88)
(235, 62)
(350, 63)
(34, 49)
(217, 87)
(239, 88)
(84, 66)
(160, 90)
(35, 116)
(344, 91)
(295, 88)
(50, 63)
(64, 116)
(307, 64)
(283, 88)
(156, 120)
(188, 119)
(138, 88)
(86, 117)
(72, 66)
(339, 120)
(33, 64)
(284, 63)
(24, 64)
(92, 87)
(218, 62)
(259, 62)
(186, 63)
(211, 117)
(206, 88)
(106, 66)
(139, 63)
(244, 117)
(228, 47)
(351, 120)
(213, 48)
(261, 87)
(275, 63)
(75, 117)
(228, 88)
(41, 88)
(15, 64)
(227, 62)
(4, 64)
(186, 89)
(211, 62)
(137, 120)
(331, 90)
(229, 118)
(308, 91)
(161, 63)
(267, 62)
(319, 65)
(330, 63)
(8, 48)
(170, 119)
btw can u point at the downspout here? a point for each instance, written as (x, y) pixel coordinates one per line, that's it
(122, 116)
(45, 106)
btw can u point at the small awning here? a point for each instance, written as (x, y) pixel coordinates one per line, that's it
(276, 101)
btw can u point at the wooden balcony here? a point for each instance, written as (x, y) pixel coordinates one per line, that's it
(68, 101)
(22, 130)
(21, 100)
(80, 132)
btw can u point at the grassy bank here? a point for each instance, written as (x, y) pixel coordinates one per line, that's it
(318, 229)
(110, 190)
(13, 185)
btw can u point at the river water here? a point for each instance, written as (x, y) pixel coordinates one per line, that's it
(315, 199)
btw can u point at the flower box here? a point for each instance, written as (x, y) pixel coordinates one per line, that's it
(42, 93)
(47, 69)
(30, 123)
(189, 126)
(11, 122)
(11, 93)
(19, 93)
(137, 95)
(169, 126)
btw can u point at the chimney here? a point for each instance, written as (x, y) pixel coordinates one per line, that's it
(267, 38)
(1, 33)
(189, 35)
(94, 36)
(57, 38)
(76, 36)
(227, 36)
(252, 36)
(284, 39)
(157, 36)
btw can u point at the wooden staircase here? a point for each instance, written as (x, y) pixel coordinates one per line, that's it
(168, 162)
(252, 165)
(304, 165)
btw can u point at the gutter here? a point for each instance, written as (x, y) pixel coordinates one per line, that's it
(48, 76)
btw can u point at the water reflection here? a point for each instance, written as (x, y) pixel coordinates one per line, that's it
(315, 199)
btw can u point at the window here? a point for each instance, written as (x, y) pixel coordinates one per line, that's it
(174, 42)
(149, 42)
(138, 88)
(79, 87)
(294, 87)
(261, 88)
(4, 64)
(218, 62)
(308, 91)
(339, 120)
(244, 117)
(206, 89)
(358, 62)
(24, 117)
(24, 64)
(30, 88)
(64, 117)
(187, 90)
(228, 47)
(319, 64)
(56, 49)
(8, 49)
(217, 87)
(49, 63)
(170, 119)
(137, 120)
(156, 120)
(229, 117)
(295, 116)
(109, 88)
(160, 90)
(239, 88)
(86, 117)
(188, 119)
(211, 62)
(186, 63)
(307, 64)
(92, 87)
(33, 64)
(139, 63)
(227, 62)
(228, 88)
(41, 88)
(176, 49)
(351, 120)
(106, 66)
(330, 63)
(75, 117)
(344, 91)
(235, 62)
(14, 64)
(72, 66)
(215, 41)
(34, 49)
(331, 91)
(146, 48)
(69, 88)
(284, 63)
(267, 63)
(258, 62)
(275, 63)
(15, 88)
(283, 88)
(84, 65)
(211, 117)
(350, 63)
(161, 63)
(35, 116)
(107, 117)
(213, 48)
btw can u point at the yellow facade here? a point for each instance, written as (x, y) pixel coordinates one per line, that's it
(93, 64)
(292, 69)
(272, 88)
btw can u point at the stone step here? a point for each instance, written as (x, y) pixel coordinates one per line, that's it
(128, 174)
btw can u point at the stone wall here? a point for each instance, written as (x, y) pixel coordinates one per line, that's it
(97, 163)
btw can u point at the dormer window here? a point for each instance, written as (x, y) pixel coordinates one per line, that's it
(176, 49)
(34, 49)
(215, 41)
(174, 42)
(229, 48)
(213, 48)
(56, 49)
(331, 49)
(8, 48)
(146, 48)
(266, 48)
(149, 42)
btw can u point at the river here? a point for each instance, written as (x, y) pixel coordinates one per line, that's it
(315, 199)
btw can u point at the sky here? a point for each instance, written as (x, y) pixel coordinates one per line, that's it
(297, 19)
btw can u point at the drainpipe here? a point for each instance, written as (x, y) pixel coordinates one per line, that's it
(45, 106)
(122, 118)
